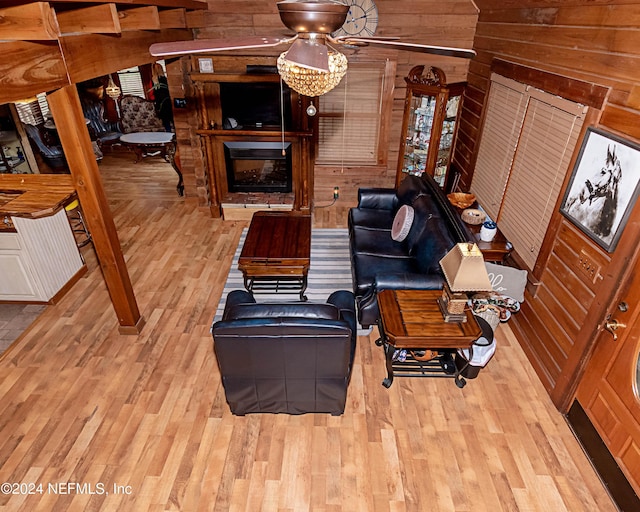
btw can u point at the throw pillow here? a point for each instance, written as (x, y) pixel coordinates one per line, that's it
(402, 223)
(507, 281)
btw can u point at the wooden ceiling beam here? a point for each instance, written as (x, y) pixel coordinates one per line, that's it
(97, 19)
(32, 22)
(186, 4)
(53, 44)
(173, 18)
(139, 18)
(90, 55)
(30, 68)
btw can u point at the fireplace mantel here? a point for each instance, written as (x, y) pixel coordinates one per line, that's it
(211, 91)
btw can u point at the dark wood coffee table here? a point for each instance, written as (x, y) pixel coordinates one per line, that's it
(411, 320)
(276, 254)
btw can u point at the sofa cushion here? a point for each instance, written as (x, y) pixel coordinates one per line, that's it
(402, 223)
(366, 266)
(283, 310)
(434, 243)
(377, 198)
(424, 208)
(371, 218)
(377, 243)
(410, 188)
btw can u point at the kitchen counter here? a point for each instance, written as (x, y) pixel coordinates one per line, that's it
(34, 195)
(39, 257)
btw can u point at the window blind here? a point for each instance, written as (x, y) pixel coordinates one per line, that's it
(44, 104)
(131, 82)
(29, 112)
(349, 117)
(500, 133)
(549, 136)
(528, 139)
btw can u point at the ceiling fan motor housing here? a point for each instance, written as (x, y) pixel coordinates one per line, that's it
(312, 17)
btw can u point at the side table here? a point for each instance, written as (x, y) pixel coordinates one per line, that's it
(149, 143)
(498, 250)
(411, 320)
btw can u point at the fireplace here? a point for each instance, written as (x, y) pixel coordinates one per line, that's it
(258, 166)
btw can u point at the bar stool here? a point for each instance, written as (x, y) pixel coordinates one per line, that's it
(76, 221)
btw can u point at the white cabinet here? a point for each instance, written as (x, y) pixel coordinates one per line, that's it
(17, 282)
(39, 259)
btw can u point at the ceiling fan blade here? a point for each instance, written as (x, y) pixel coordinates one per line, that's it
(215, 45)
(309, 53)
(447, 51)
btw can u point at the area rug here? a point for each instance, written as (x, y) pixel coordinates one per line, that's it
(330, 269)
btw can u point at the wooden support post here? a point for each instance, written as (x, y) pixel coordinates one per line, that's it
(74, 136)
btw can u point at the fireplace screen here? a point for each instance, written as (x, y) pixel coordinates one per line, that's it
(258, 166)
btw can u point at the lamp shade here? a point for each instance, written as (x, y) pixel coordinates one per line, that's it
(464, 269)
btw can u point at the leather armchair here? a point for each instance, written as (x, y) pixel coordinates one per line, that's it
(52, 154)
(292, 358)
(104, 131)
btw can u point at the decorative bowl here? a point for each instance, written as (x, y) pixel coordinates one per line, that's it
(461, 199)
(473, 216)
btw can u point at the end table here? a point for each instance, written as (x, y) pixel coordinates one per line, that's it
(411, 320)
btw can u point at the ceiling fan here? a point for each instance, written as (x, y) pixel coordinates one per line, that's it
(309, 59)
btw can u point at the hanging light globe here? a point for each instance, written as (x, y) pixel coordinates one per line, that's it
(112, 90)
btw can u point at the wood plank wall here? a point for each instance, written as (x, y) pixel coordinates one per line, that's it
(440, 22)
(594, 41)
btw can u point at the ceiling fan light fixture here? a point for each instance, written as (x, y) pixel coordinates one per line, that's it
(313, 82)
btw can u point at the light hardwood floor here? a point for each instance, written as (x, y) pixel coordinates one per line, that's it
(82, 404)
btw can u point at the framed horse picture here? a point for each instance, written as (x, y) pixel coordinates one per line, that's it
(603, 187)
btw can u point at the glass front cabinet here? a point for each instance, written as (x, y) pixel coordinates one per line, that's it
(429, 124)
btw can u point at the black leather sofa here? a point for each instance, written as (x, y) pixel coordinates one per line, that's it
(292, 358)
(378, 262)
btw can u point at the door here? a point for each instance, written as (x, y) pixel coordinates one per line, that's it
(609, 388)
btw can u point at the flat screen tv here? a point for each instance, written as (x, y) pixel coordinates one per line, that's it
(254, 105)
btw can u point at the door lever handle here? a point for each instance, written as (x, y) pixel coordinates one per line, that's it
(612, 326)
